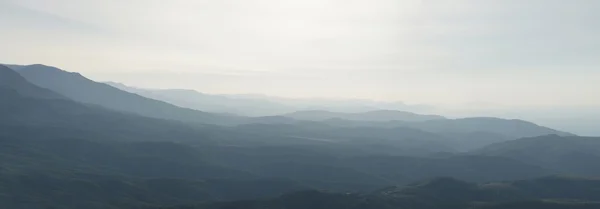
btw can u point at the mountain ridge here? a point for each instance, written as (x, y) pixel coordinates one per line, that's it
(569, 154)
(376, 115)
(81, 89)
(13, 80)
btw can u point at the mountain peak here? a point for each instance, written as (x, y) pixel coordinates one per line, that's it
(41, 67)
(46, 70)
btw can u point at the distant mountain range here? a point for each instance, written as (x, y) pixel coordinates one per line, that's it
(260, 105)
(431, 123)
(212, 103)
(576, 119)
(378, 115)
(78, 88)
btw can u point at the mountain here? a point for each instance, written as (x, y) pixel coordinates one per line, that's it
(512, 128)
(52, 172)
(57, 153)
(93, 191)
(496, 128)
(467, 133)
(79, 153)
(351, 168)
(566, 154)
(379, 115)
(25, 106)
(403, 141)
(60, 152)
(210, 102)
(81, 89)
(260, 105)
(402, 170)
(447, 193)
(464, 134)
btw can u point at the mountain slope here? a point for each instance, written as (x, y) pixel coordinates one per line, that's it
(329, 169)
(571, 154)
(58, 153)
(81, 89)
(464, 134)
(55, 152)
(478, 125)
(446, 193)
(489, 129)
(375, 140)
(93, 191)
(11, 80)
(512, 128)
(25, 106)
(379, 115)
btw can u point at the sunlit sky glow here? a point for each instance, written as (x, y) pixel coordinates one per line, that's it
(504, 52)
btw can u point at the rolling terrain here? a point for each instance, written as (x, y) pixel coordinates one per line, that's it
(69, 142)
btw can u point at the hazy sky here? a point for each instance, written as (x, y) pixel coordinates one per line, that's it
(501, 52)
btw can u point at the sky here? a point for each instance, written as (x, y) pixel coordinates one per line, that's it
(467, 53)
